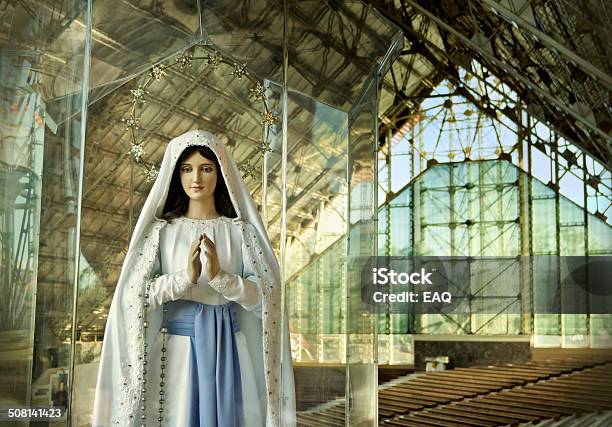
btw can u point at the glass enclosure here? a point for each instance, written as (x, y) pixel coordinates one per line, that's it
(292, 88)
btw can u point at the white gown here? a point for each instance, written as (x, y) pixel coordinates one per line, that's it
(236, 282)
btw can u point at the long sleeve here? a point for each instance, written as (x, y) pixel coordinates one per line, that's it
(242, 288)
(168, 287)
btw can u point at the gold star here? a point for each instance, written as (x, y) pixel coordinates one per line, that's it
(259, 92)
(151, 174)
(263, 147)
(214, 59)
(138, 94)
(239, 70)
(267, 118)
(185, 60)
(132, 122)
(137, 152)
(158, 72)
(247, 169)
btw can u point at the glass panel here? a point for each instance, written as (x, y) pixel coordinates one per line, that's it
(316, 198)
(42, 72)
(362, 338)
(130, 36)
(326, 90)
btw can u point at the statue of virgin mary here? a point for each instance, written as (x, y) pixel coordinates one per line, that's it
(194, 333)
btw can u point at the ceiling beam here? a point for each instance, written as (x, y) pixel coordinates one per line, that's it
(570, 55)
(593, 145)
(510, 70)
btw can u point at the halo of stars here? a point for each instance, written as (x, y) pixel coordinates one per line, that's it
(184, 60)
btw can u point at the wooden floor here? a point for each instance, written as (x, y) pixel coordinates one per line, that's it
(498, 395)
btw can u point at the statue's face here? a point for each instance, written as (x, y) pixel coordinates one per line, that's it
(198, 177)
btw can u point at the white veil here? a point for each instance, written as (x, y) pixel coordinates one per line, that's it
(131, 329)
